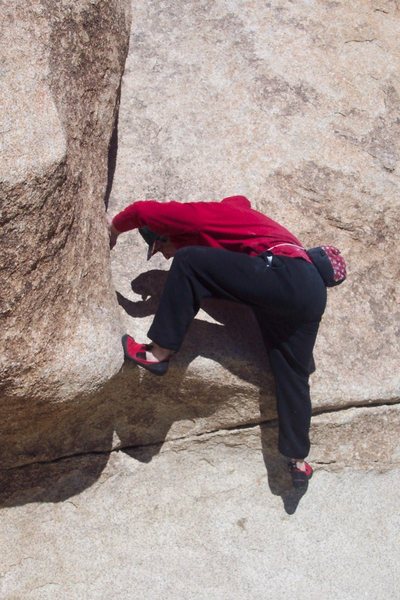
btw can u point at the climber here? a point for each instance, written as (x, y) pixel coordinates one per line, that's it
(230, 251)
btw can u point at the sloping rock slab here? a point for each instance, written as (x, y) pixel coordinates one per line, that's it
(202, 521)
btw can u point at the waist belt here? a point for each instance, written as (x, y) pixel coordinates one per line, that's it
(288, 244)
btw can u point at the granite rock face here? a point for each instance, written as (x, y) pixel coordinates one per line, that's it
(61, 69)
(294, 105)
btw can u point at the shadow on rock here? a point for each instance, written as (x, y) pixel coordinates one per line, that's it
(112, 152)
(52, 482)
(225, 342)
(279, 479)
(135, 411)
(234, 341)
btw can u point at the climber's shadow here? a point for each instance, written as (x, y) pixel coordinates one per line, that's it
(234, 342)
(176, 397)
(279, 479)
(223, 340)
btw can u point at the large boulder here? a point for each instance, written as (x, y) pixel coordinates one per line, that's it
(61, 70)
(294, 105)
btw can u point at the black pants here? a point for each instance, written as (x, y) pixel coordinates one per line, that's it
(288, 297)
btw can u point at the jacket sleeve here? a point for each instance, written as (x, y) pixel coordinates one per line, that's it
(164, 218)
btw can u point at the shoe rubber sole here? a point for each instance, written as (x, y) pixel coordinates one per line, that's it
(300, 478)
(159, 368)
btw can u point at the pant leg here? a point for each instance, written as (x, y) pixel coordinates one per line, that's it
(290, 347)
(200, 272)
(290, 342)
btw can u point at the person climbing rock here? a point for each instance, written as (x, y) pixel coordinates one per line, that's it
(228, 250)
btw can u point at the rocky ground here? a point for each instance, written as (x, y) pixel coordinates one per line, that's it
(209, 518)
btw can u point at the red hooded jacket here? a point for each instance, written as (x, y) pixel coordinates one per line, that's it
(230, 224)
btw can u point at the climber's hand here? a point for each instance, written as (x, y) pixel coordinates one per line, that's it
(112, 232)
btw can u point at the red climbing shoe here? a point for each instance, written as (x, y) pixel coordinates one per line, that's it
(300, 478)
(137, 353)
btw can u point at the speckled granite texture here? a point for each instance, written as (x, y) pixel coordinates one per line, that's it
(293, 104)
